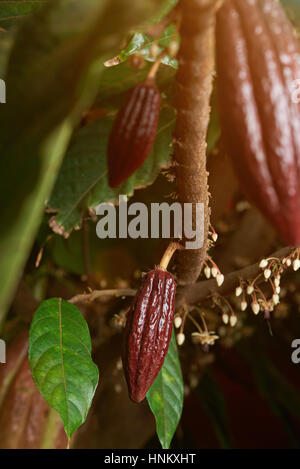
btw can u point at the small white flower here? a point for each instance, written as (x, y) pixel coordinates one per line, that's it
(277, 282)
(215, 237)
(233, 321)
(214, 272)
(205, 338)
(180, 338)
(177, 322)
(207, 272)
(288, 262)
(284, 260)
(244, 305)
(276, 299)
(267, 273)
(278, 289)
(263, 264)
(238, 291)
(296, 265)
(220, 279)
(255, 308)
(250, 289)
(225, 318)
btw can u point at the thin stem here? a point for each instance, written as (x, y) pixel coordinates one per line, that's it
(195, 323)
(97, 294)
(155, 67)
(171, 249)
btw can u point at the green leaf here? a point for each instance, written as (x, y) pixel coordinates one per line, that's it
(82, 181)
(116, 81)
(60, 361)
(213, 403)
(165, 396)
(52, 76)
(141, 43)
(13, 11)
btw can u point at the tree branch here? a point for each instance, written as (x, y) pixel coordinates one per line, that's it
(86, 298)
(191, 294)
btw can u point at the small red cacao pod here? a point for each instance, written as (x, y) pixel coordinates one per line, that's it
(134, 131)
(148, 332)
(258, 61)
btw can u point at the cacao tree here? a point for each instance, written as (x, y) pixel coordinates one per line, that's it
(117, 332)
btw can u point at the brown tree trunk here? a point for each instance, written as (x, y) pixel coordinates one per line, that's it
(192, 102)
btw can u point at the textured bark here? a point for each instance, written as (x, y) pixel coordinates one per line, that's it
(193, 90)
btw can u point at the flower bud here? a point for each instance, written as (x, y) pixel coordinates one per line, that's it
(180, 339)
(225, 318)
(220, 279)
(255, 308)
(207, 272)
(177, 322)
(267, 273)
(263, 264)
(296, 265)
(276, 299)
(214, 272)
(233, 321)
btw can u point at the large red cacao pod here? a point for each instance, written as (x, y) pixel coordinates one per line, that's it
(26, 420)
(134, 131)
(148, 332)
(258, 59)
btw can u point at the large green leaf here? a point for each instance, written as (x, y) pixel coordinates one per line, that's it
(60, 361)
(52, 76)
(165, 396)
(82, 181)
(213, 403)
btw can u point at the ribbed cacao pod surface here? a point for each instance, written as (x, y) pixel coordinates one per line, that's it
(148, 331)
(258, 59)
(134, 131)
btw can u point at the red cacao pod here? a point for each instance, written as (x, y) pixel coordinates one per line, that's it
(26, 420)
(258, 59)
(148, 332)
(134, 131)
